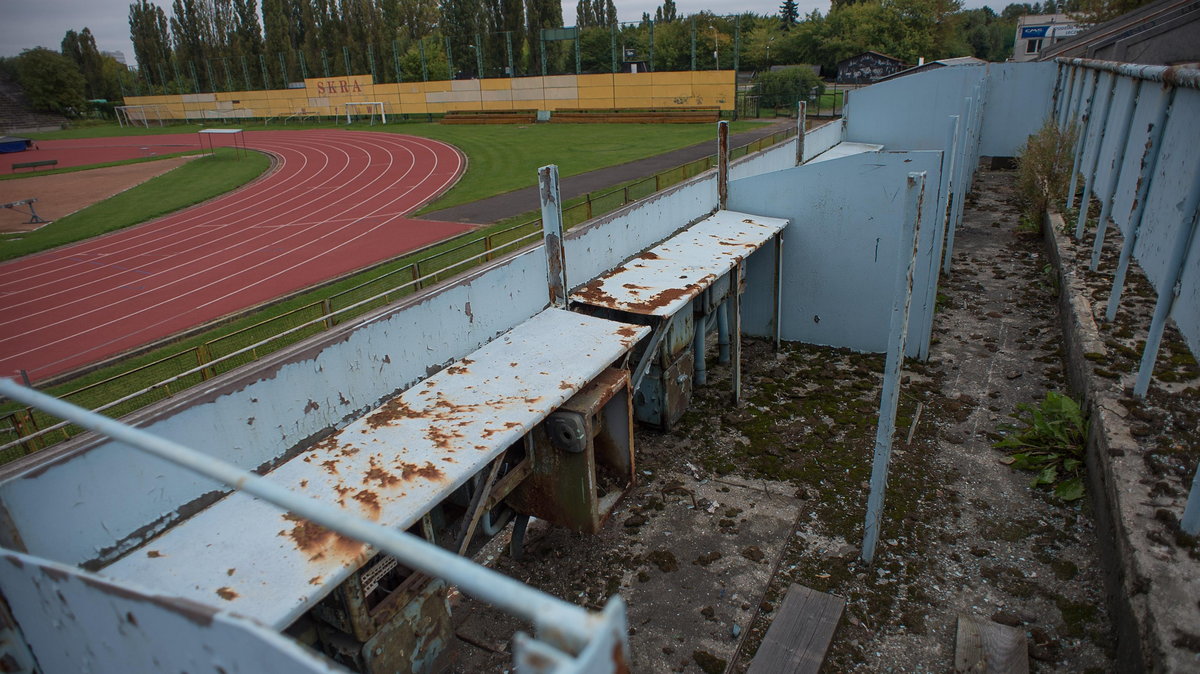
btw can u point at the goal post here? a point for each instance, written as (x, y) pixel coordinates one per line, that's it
(365, 107)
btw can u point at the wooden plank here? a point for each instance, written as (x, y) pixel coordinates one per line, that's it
(985, 646)
(800, 635)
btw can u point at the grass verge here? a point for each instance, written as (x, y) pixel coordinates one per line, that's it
(196, 181)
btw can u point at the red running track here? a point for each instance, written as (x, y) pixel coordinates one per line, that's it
(334, 202)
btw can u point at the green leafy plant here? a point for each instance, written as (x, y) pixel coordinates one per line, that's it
(1044, 168)
(1049, 441)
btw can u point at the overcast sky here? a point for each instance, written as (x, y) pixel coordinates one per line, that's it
(42, 23)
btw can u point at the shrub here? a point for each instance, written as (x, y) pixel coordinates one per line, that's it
(784, 88)
(1044, 168)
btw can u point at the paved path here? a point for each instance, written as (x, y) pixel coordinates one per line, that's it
(509, 204)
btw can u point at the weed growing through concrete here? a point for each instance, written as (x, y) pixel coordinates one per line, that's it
(1049, 442)
(1043, 169)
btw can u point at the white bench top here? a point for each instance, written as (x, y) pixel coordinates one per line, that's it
(844, 149)
(663, 279)
(391, 466)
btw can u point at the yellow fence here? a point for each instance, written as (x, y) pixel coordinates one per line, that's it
(328, 96)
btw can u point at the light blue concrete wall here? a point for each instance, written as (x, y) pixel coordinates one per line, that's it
(839, 250)
(1019, 100)
(908, 113)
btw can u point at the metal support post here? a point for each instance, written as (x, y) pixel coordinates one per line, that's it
(651, 22)
(801, 123)
(693, 43)
(906, 257)
(1058, 82)
(552, 234)
(195, 80)
(735, 331)
(371, 62)
(262, 66)
(1191, 513)
(396, 60)
(699, 364)
(303, 64)
(722, 164)
(563, 625)
(1065, 101)
(723, 332)
(1145, 178)
(284, 77)
(346, 59)
(324, 63)
(1089, 177)
(1169, 289)
(615, 67)
(777, 319)
(424, 65)
(245, 74)
(578, 58)
(512, 71)
(1081, 140)
(737, 49)
(479, 58)
(1106, 206)
(542, 51)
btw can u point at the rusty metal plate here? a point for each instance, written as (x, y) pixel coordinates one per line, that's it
(663, 279)
(390, 466)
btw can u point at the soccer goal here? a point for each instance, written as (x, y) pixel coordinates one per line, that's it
(369, 109)
(139, 115)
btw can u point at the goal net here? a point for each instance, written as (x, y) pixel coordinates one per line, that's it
(370, 110)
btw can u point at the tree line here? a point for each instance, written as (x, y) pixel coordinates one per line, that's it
(205, 45)
(223, 45)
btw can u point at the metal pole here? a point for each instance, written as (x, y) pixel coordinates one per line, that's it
(371, 62)
(735, 331)
(1081, 140)
(1149, 164)
(245, 73)
(552, 233)
(325, 63)
(303, 64)
(449, 59)
(578, 58)
(479, 61)
(283, 70)
(1106, 207)
(722, 164)
(906, 259)
(552, 616)
(396, 60)
(262, 65)
(512, 71)
(778, 290)
(424, 66)
(614, 48)
(542, 50)
(1064, 113)
(651, 22)
(1169, 289)
(195, 80)
(1089, 177)
(346, 58)
(693, 43)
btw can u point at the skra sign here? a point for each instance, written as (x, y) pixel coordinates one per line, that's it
(352, 85)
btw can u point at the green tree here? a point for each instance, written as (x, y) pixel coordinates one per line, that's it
(666, 13)
(788, 13)
(151, 41)
(81, 48)
(52, 82)
(786, 87)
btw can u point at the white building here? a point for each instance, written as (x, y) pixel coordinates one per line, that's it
(1036, 32)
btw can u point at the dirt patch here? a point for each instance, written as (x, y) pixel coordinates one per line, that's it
(62, 194)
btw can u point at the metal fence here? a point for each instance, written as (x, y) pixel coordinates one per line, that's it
(27, 430)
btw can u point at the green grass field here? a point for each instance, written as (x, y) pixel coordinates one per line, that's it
(501, 157)
(197, 180)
